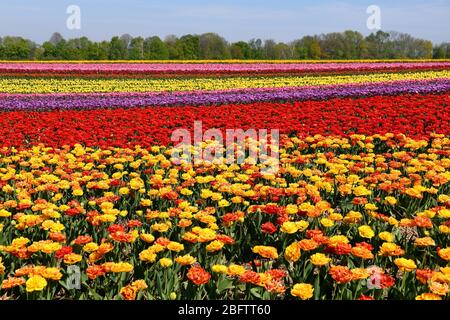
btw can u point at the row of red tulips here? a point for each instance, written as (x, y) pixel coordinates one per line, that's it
(414, 115)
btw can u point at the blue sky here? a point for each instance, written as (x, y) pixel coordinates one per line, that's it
(282, 20)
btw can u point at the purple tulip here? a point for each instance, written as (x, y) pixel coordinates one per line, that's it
(64, 101)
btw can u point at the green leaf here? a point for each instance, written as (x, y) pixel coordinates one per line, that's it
(317, 288)
(241, 286)
(63, 284)
(256, 292)
(347, 294)
(224, 285)
(95, 295)
(266, 295)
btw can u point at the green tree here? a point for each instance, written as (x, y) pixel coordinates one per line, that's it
(213, 46)
(257, 48)
(79, 49)
(355, 46)
(269, 49)
(441, 51)
(117, 49)
(103, 49)
(378, 45)
(17, 48)
(189, 46)
(49, 51)
(345, 45)
(283, 51)
(155, 49)
(332, 45)
(307, 47)
(172, 44)
(241, 50)
(136, 50)
(406, 46)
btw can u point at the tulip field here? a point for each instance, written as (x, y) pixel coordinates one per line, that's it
(93, 205)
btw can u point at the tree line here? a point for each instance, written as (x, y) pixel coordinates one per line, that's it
(337, 45)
